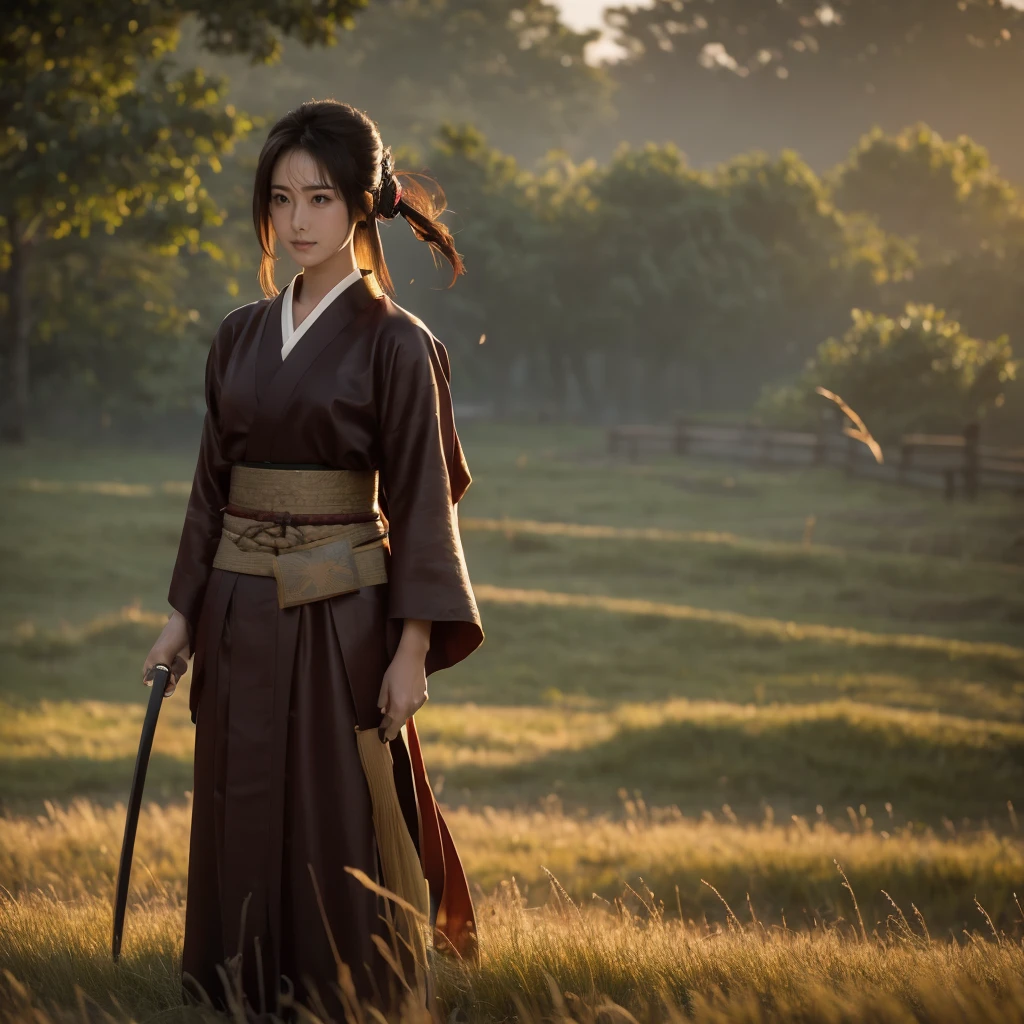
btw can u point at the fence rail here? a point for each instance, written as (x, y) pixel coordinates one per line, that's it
(951, 463)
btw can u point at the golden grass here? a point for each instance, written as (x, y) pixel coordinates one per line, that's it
(561, 963)
(511, 735)
(600, 852)
(784, 868)
(749, 624)
(56, 946)
(108, 488)
(598, 531)
(571, 961)
(510, 527)
(467, 735)
(26, 633)
(95, 729)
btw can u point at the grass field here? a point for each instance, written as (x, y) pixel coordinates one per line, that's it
(695, 675)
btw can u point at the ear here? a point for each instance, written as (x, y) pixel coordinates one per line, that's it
(367, 205)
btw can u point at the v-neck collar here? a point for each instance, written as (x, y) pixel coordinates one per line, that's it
(277, 378)
(290, 334)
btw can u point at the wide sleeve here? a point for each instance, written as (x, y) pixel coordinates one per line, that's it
(200, 534)
(423, 475)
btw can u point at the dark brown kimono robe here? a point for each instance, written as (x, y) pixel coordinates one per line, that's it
(279, 793)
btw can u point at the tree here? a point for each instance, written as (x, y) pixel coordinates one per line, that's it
(737, 74)
(716, 279)
(642, 282)
(944, 196)
(670, 266)
(511, 68)
(505, 293)
(815, 260)
(919, 371)
(964, 219)
(101, 129)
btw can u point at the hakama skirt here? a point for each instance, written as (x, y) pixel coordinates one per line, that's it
(281, 806)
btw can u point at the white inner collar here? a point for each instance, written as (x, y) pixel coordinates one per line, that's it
(290, 334)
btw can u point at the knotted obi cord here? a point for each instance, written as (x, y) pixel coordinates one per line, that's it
(318, 532)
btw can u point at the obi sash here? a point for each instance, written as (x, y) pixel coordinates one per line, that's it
(318, 532)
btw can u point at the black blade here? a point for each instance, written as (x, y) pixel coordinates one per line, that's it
(161, 676)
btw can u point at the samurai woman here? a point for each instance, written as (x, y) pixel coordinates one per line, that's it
(320, 579)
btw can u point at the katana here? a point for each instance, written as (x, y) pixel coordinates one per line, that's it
(161, 677)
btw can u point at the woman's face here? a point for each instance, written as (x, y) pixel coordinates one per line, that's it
(309, 217)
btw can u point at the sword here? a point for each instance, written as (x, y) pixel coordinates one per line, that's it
(161, 676)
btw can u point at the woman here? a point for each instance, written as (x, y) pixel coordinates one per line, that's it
(320, 578)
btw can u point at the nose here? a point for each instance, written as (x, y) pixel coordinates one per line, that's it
(300, 217)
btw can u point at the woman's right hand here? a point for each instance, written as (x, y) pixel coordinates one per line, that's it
(171, 649)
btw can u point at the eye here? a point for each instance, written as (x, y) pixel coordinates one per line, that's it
(316, 199)
(279, 198)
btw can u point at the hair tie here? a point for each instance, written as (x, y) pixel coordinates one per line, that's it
(389, 192)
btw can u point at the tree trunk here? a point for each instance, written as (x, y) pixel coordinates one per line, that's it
(558, 376)
(15, 425)
(580, 369)
(705, 382)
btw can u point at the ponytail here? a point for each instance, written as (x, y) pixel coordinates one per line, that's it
(421, 208)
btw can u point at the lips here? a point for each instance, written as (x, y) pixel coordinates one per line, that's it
(303, 245)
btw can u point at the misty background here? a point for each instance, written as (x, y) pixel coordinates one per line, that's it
(764, 694)
(664, 209)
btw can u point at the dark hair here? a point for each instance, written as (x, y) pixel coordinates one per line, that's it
(346, 146)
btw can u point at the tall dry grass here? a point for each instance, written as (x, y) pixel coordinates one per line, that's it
(560, 962)
(784, 869)
(552, 948)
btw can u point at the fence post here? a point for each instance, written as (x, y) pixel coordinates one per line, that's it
(971, 432)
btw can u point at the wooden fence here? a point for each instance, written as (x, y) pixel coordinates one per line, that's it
(953, 464)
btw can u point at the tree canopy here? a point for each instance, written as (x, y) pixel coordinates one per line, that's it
(918, 371)
(963, 218)
(102, 127)
(635, 285)
(945, 196)
(511, 68)
(732, 75)
(708, 281)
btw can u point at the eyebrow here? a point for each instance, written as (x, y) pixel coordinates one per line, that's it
(307, 188)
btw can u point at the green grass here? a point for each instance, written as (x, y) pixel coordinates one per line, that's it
(696, 755)
(845, 673)
(785, 694)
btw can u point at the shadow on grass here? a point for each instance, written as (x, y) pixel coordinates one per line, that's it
(26, 781)
(592, 655)
(832, 760)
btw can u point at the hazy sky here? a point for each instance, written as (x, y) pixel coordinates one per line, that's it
(582, 13)
(587, 13)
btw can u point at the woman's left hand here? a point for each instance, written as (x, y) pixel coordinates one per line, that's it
(404, 689)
